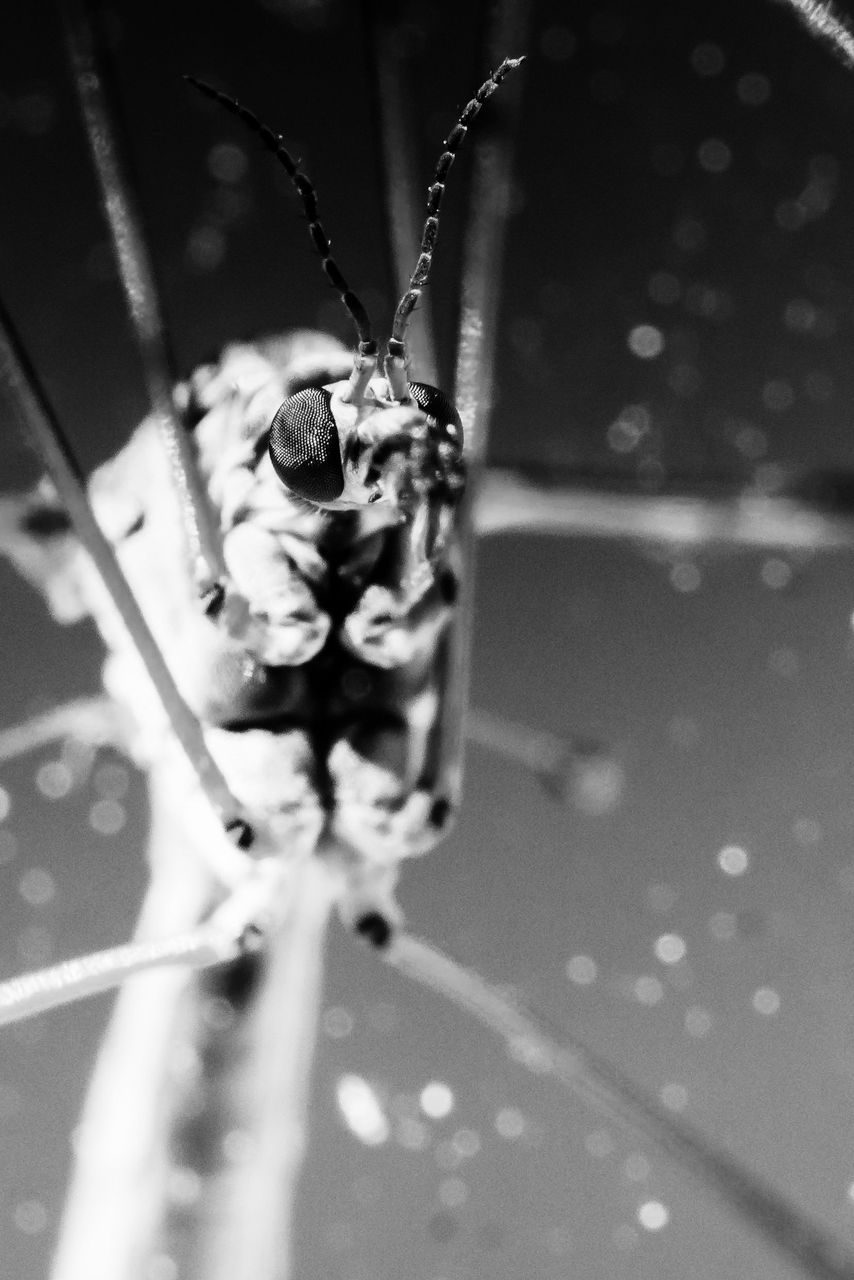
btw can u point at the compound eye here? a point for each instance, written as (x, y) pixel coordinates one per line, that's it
(304, 446)
(436, 405)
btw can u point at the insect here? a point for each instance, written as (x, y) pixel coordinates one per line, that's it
(510, 927)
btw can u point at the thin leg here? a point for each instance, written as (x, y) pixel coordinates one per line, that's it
(94, 721)
(401, 188)
(567, 767)
(29, 403)
(510, 502)
(137, 275)
(475, 359)
(584, 1074)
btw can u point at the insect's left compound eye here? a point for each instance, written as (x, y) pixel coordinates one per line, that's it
(436, 405)
(304, 446)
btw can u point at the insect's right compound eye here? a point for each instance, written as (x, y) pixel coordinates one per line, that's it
(304, 446)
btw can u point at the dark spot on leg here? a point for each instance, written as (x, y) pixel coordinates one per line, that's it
(212, 599)
(448, 586)
(440, 812)
(375, 929)
(241, 833)
(46, 522)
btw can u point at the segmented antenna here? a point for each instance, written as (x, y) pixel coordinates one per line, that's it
(396, 362)
(305, 188)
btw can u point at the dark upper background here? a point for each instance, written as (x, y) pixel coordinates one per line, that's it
(682, 168)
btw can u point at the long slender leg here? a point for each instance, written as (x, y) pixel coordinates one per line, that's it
(27, 399)
(584, 1074)
(508, 501)
(94, 721)
(137, 274)
(475, 361)
(119, 1178)
(402, 198)
(250, 1207)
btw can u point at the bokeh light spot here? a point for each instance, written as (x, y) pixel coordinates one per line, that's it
(205, 248)
(685, 577)
(337, 1023)
(646, 341)
(628, 428)
(653, 1215)
(581, 970)
(698, 1022)
(625, 1238)
(806, 831)
(708, 59)
(766, 1001)
(510, 1123)
(107, 817)
(753, 89)
(453, 1192)
(227, 162)
(647, 990)
(714, 155)
(670, 948)
(733, 860)
(361, 1110)
(466, 1143)
(30, 1216)
(674, 1096)
(599, 1144)
(436, 1100)
(37, 886)
(54, 779)
(776, 573)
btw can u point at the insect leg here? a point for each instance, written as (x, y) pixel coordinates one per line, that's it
(584, 1074)
(400, 185)
(89, 68)
(510, 501)
(94, 721)
(474, 374)
(22, 388)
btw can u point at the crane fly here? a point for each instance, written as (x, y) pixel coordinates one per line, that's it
(308, 686)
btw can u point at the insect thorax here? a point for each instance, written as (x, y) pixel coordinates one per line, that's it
(319, 675)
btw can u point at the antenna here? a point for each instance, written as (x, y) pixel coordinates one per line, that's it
(365, 359)
(395, 363)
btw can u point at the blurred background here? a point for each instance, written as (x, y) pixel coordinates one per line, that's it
(677, 318)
